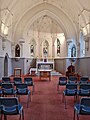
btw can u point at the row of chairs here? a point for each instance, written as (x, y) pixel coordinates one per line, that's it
(72, 80)
(10, 106)
(77, 88)
(16, 80)
(73, 90)
(19, 89)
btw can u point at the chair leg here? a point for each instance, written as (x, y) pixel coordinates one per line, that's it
(63, 97)
(58, 88)
(27, 101)
(77, 117)
(5, 117)
(74, 115)
(65, 102)
(20, 117)
(30, 97)
(33, 89)
(22, 114)
(0, 116)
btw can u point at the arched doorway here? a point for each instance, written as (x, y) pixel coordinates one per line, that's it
(6, 65)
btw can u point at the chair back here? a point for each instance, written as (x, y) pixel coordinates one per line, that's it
(6, 80)
(22, 88)
(84, 86)
(17, 80)
(21, 85)
(62, 79)
(28, 81)
(71, 86)
(72, 79)
(7, 85)
(84, 80)
(9, 105)
(9, 101)
(85, 106)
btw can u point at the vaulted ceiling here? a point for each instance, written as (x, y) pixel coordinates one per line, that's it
(45, 16)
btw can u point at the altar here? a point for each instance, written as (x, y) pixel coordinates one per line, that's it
(45, 65)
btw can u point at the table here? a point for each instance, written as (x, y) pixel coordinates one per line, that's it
(45, 74)
(17, 69)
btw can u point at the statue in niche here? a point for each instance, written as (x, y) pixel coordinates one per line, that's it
(17, 51)
(32, 50)
(45, 48)
(58, 47)
(73, 51)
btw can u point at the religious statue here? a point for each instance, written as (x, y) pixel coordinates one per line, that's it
(32, 50)
(45, 48)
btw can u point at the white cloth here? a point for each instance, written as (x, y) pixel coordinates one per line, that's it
(33, 69)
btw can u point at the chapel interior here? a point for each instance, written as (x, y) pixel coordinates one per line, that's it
(50, 36)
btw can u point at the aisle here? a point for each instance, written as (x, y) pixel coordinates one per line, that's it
(47, 103)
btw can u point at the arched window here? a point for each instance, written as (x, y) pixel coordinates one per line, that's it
(58, 47)
(73, 51)
(45, 48)
(32, 50)
(32, 47)
(17, 51)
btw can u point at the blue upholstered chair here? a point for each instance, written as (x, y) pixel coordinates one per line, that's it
(72, 79)
(84, 80)
(17, 80)
(8, 89)
(22, 89)
(29, 82)
(84, 90)
(83, 108)
(71, 90)
(11, 106)
(62, 82)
